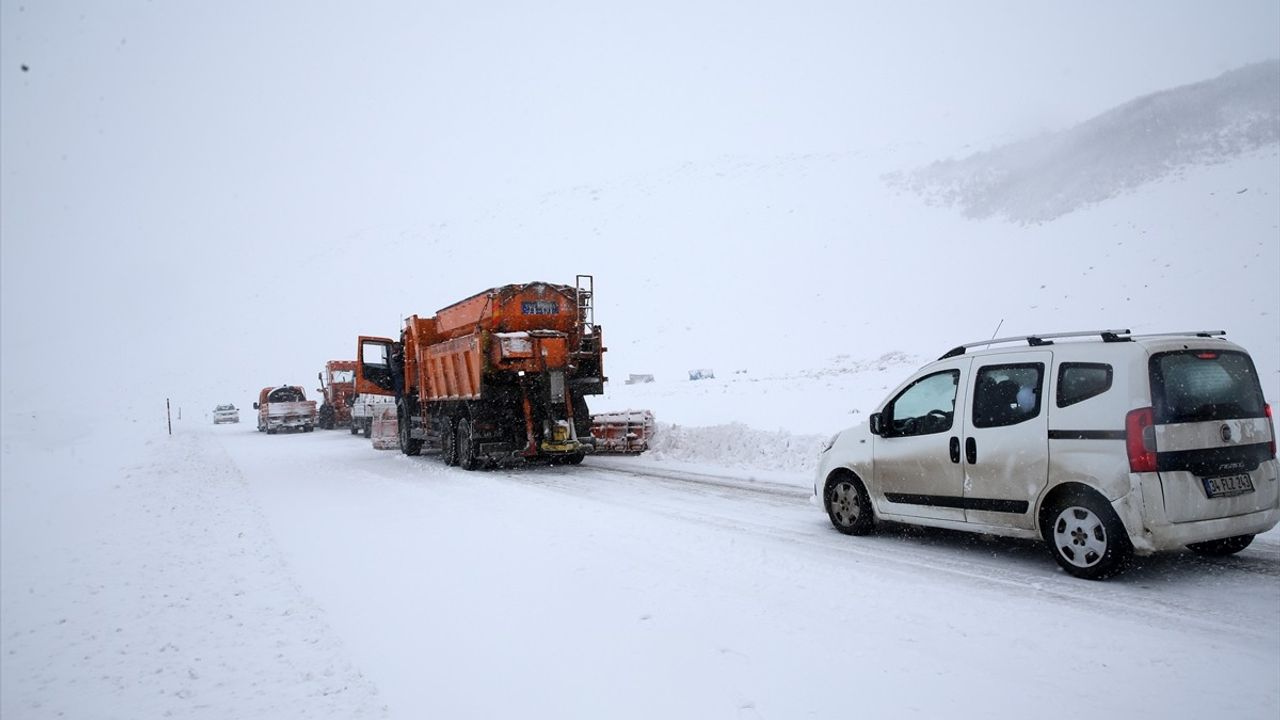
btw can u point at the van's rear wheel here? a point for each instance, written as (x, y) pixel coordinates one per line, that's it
(1086, 537)
(848, 505)
(1221, 548)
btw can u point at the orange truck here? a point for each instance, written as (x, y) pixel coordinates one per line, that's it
(499, 377)
(338, 390)
(285, 408)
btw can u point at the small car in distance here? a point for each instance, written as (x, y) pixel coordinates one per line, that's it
(225, 414)
(1104, 444)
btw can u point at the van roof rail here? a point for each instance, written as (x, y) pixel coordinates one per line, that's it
(1041, 339)
(1195, 333)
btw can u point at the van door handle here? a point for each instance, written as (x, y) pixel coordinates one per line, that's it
(955, 449)
(971, 450)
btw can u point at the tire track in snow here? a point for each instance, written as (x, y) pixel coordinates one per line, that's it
(1149, 589)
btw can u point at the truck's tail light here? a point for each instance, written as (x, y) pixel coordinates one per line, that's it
(1271, 421)
(1140, 439)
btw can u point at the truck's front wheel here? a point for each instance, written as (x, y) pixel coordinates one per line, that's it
(408, 445)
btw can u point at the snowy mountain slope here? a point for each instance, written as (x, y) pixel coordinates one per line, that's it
(1146, 139)
(767, 263)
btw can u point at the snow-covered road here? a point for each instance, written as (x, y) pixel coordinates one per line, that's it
(226, 573)
(626, 588)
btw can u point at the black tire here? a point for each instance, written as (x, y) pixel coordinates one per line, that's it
(271, 431)
(848, 505)
(449, 444)
(368, 427)
(355, 429)
(408, 446)
(467, 457)
(1221, 548)
(576, 458)
(1086, 536)
(326, 417)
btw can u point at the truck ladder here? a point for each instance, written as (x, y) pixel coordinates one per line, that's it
(586, 311)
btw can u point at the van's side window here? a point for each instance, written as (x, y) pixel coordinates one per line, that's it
(927, 407)
(1078, 382)
(1007, 394)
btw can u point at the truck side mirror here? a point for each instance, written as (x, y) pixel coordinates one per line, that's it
(255, 406)
(876, 419)
(320, 376)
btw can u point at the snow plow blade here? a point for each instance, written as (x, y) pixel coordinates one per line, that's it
(385, 431)
(625, 432)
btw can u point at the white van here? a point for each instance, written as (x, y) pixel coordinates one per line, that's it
(1103, 443)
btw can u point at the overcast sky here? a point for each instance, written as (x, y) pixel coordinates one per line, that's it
(168, 168)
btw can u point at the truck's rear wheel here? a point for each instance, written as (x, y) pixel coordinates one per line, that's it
(449, 444)
(466, 446)
(355, 429)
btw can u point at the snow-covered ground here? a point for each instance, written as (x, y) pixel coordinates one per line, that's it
(222, 572)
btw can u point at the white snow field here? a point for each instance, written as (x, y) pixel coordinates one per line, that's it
(224, 573)
(810, 198)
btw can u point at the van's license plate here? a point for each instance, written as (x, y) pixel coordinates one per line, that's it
(1229, 486)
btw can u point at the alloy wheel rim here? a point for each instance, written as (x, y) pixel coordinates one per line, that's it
(1080, 536)
(844, 503)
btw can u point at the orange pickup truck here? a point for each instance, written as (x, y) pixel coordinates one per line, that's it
(285, 408)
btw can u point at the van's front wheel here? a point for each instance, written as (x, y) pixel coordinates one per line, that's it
(1086, 537)
(848, 505)
(1221, 548)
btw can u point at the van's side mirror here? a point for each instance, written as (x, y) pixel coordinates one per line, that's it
(255, 406)
(876, 419)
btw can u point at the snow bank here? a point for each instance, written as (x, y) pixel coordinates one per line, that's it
(736, 445)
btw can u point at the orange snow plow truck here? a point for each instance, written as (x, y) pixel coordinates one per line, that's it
(499, 377)
(337, 387)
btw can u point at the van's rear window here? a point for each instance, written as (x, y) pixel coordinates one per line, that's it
(1204, 385)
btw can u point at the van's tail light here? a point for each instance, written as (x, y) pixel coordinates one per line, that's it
(1271, 421)
(1140, 439)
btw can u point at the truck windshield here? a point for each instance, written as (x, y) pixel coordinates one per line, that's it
(1204, 385)
(343, 376)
